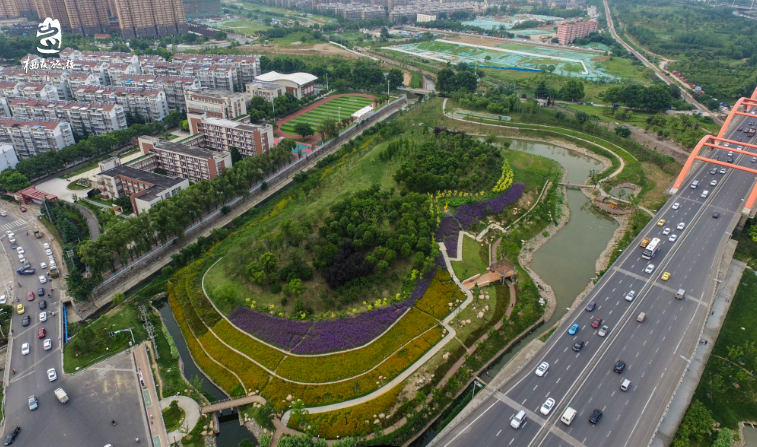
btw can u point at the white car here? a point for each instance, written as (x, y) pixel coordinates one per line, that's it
(21, 259)
(25, 349)
(602, 332)
(46, 245)
(673, 237)
(49, 252)
(726, 144)
(542, 369)
(3, 299)
(9, 233)
(48, 344)
(713, 183)
(547, 406)
(681, 226)
(518, 420)
(51, 374)
(649, 269)
(42, 279)
(53, 264)
(666, 231)
(51, 258)
(676, 206)
(42, 265)
(722, 170)
(3, 213)
(630, 295)
(20, 250)
(43, 316)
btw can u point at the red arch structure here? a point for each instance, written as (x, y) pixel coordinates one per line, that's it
(741, 107)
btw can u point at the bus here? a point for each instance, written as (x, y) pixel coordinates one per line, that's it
(651, 249)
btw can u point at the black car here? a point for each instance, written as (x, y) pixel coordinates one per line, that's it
(591, 306)
(740, 129)
(10, 437)
(41, 291)
(578, 345)
(730, 160)
(26, 321)
(620, 366)
(715, 215)
(596, 415)
(42, 304)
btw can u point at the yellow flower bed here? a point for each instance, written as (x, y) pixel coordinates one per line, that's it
(351, 363)
(267, 356)
(352, 421)
(217, 374)
(440, 292)
(409, 353)
(253, 377)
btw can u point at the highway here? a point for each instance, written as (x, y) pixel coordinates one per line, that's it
(655, 351)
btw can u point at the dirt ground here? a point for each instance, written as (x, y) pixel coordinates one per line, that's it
(407, 77)
(662, 181)
(319, 49)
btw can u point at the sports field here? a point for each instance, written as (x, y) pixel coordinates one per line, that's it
(343, 106)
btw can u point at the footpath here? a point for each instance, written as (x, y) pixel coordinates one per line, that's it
(150, 396)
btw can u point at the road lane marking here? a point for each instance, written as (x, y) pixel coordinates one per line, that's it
(499, 432)
(473, 422)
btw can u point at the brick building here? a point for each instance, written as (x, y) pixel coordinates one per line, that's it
(569, 32)
(146, 189)
(221, 134)
(191, 163)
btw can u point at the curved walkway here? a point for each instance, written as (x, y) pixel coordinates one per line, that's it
(92, 224)
(315, 138)
(191, 415)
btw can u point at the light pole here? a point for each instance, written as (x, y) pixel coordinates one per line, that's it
(339, 113)
(387, 86)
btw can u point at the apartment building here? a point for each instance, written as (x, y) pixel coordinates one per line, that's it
(146, 189)
(39, 91)
(76, 80)
(202, 8)
(8, 157)
(191, 163)
(9, 90)
(9, 9)
(298, 84)
(150, 18)
(56, 78)
(30, 138)
(266, 90)
(99, 69)
(88, 17)
(90, 118)
(222, 134)
(216, 103)
(109, 57)
(175, 87)
(569, 32)
(151, 104)
(223, 77)
(247, 67)
(115, 72)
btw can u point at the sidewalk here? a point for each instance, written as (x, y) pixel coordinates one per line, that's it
(191, 415)
(150, 397)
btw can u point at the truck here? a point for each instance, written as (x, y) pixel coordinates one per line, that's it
(25, 271)
(751, 132)
(61, 395)
(54, 272)
(644, 242)
(37, 233)
(651, 249)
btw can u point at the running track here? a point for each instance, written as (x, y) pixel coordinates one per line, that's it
(315, 138)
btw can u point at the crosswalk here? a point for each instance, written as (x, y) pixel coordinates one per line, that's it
(15, 224)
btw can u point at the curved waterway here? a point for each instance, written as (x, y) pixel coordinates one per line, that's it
(566, 261)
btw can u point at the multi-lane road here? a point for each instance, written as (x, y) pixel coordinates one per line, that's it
(655, 351)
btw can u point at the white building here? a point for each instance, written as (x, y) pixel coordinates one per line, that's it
(425, 18)
(151, 104)
(8, 158)
(44, 92)
(30, 138)
(298, 84)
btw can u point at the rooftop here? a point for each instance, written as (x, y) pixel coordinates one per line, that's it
(183, 149)
(214, 94)
(298, 78)
(143, 176)
(18, 122)
(229, 123)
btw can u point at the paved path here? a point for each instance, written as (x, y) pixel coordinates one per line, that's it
(92, 224)
(315, 138)
(191, 415)
(150, 397)
(218, 406)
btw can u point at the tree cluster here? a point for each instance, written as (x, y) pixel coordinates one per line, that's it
(358, 74)
(655, 98)
(463, 79)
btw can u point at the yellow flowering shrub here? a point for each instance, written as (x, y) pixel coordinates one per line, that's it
(439, 294)
(266, 355)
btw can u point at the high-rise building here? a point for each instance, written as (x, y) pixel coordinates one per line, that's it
(55, 9)
(30, 138)
(9, 9)
(202, 8)
(151, 18)
(88, 17)
(569, 32)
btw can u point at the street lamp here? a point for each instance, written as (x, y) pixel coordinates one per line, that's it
(339, 113)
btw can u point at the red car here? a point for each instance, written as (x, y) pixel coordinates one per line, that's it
(41, 333)
(30, 296)
(23, 210)
(597, 323)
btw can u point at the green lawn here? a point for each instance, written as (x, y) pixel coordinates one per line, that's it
(474, 259)
(340, 107)
(173, 416)
(637, 119)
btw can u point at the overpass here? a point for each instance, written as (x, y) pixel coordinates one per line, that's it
(657, 351)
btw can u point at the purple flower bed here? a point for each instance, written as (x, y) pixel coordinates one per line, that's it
(447, 232)
(470, 214)
(318, 337)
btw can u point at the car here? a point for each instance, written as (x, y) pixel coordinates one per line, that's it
(43, 316)
(42, 279)
(620, 365)
(20, 250)
(739, 147)
(41, 333)
(676, 206)
(3, 213)
(3, 299)
(673, 237)
(14, 245)
(23, 209)
(41, 291)
(9, 233)
(51, 374)
(43, 265)
(722, 170)
(46, 245)
(30, 296)
(547, 406)
(630, 295)
(542, 369)
(25, 349)
(26, 321)
(47, 344)
(20, 309)
(730, 160)
(730, 154)
(596, 323)
(713, 182)
(49, 252)
(666, 231)
(754, 160)
(22, 259)
(33, 404)
(661, 222)
(10, 437)
(51, 259)
(726, 145)
(574, 328)
(649, 269)
(714, 171)
(739, 129)
(680, 226)
(53, 264)
(596, 415)
(716, 215)
(518, 420)
(603, 331)
(578, 345)
(591, 306)
(42, 304)
(665, 276)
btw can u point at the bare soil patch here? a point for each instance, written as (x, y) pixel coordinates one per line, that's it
(319, 49)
